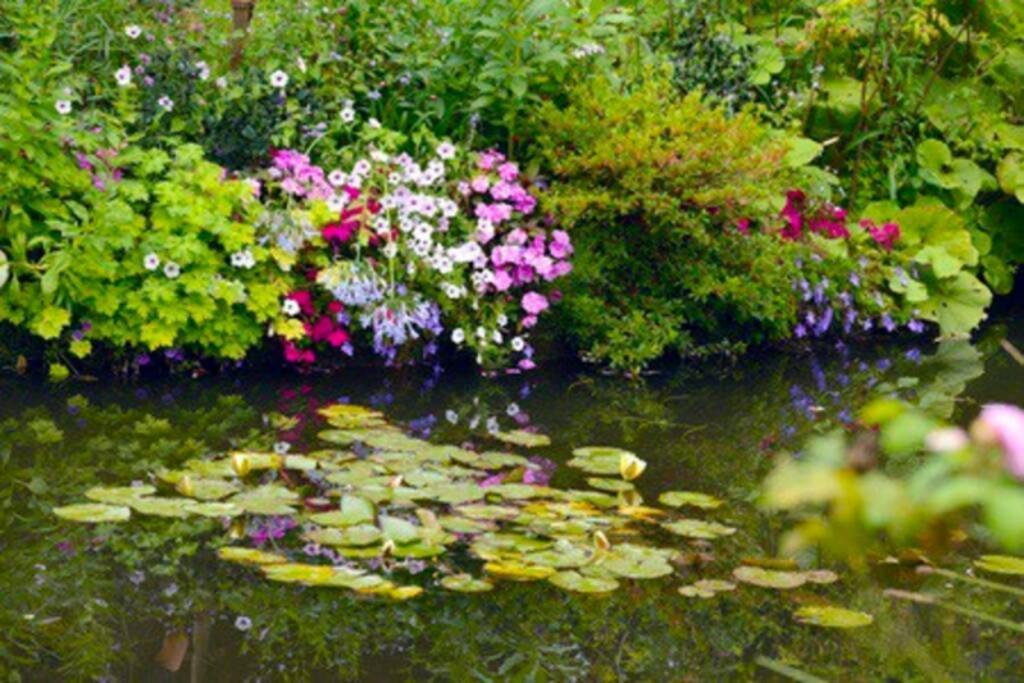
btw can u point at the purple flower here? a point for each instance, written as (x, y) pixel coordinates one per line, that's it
(915, 326)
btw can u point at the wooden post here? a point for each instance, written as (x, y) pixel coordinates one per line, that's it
(241, 17)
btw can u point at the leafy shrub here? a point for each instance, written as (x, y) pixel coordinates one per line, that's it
(652, 189)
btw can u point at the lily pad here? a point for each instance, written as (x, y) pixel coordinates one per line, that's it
(576, 582)
(832, 617)
(399, 530)
(466, 583)
(677, 499)
(1001, 564)
(596, 464)
(698, 528)
(454, 494)
(520, 437)
(600, 452)
(518, 571)
(163, 507)
(769, 578)
(94, 513)
(214, 509)
(118, 495)
(354, 510)
(291, 572)
(353, 536)
(249, 556)
(613, 485)
(636, 562)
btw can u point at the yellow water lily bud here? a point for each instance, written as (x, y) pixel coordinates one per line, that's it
(387, 548)
(185, 486)
(630, 499)
(630, 466)
(236, 531)
(396, 481)
(241, 464)
(601, 541)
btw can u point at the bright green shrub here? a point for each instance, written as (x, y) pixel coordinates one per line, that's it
(652, 188)
(165, 257)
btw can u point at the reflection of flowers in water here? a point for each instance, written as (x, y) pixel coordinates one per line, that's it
(270, 529)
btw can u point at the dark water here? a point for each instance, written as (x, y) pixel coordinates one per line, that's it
(81, 603)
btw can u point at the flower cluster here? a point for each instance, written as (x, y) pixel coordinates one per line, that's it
(827, 220)
(404, 249)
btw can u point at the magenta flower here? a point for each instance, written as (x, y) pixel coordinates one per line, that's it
(1006, 423)
(508, 171)
(561, 246)
(534, 303)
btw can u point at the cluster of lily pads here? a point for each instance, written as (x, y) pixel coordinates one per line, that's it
(379, 499)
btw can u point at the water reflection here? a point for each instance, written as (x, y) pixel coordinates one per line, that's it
(136, 603)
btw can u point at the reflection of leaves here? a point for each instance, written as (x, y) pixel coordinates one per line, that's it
(832, 617)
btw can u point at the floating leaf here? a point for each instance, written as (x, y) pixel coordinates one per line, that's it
(574, 581)
(249, 556)
(399, 530)
(600, 452)
(636, 562)
(613, 485)
(677, 499)
(520, 437)
(597, 464)
(93, 513)
(769, 578)
(291, 572)
(454, 494)
(214, 509)
(1001, 564)
(118, 495)
(354, 510)
(404, 592)
(822, 576)
(163, 507)
(465, 583)
(517, 571)
(698, 528)
(355, 536)
(832, 617)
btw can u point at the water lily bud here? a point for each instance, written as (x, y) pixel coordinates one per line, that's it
(630, 466)
(236, 531)
(185, 486)
(601, 541)
(395, 481)
(241, 464)
(387, 548)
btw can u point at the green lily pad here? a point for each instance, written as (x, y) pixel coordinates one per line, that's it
(352, 536)
(601, 452)
(291, 572)
(249, 556)
(563, 554)
(496, 460)
(769, 578)
(576, 582)
(517, 571)
(214, 509)
(695, 592)
(523, 438)
(211, 489)
(93, 513)
(466, 583)
(833, 617)
(418, 550)
(596, 464)
(635, 562)
(344, 416)
(1001, 564)
(163, 507)
(517, 491)
(461, 525)
(488, 512)
(354, 510)
(677, 499)
(399, 530)
(454, 494)
(698, 528)
(706, 588)
(613, 485)
(118, 495)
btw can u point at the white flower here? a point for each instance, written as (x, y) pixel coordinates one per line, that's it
(336, 202)
(166, 102)
(348, 115)
(243, 259)
(172, 270)
(222, 82)
(361, 168)
(279, 79)
(204, 70)
(290, 307)
(337, 178)
(518, 344)
(151, 262)
(301, 63)
(451, 416)
(497, 337)
(379, 156)
(446, 150)
(458, 336)
(63, 107)
(373, 123)
(390, 250)
(481, 332)
(502, 320)
(123, 76)
(512, 410)
(132, 31)
(282, 447)
(492, 425)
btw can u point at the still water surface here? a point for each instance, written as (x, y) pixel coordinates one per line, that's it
(130, 603)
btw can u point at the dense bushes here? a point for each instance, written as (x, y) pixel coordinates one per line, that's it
(730, 174)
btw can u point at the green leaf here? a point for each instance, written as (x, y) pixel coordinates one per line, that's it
(832, 617)
(802, 151)
(1001, 564)
(957, 304)
(93, 513)
(5, 269)
(50, 321)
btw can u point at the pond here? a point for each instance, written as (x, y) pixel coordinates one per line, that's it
(149, 599)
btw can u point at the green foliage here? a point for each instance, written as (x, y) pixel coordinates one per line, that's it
(650, 187)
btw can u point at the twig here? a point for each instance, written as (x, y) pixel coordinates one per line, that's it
(1012, 350)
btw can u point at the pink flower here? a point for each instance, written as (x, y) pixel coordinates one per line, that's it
(885, 236)
(487, 160)
(1006, 424)
(501, 280)
(480, 184)
(304, 300)
(534, 303)
(743, 225)
(793, 213)
(508, 171)
(560, 246)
